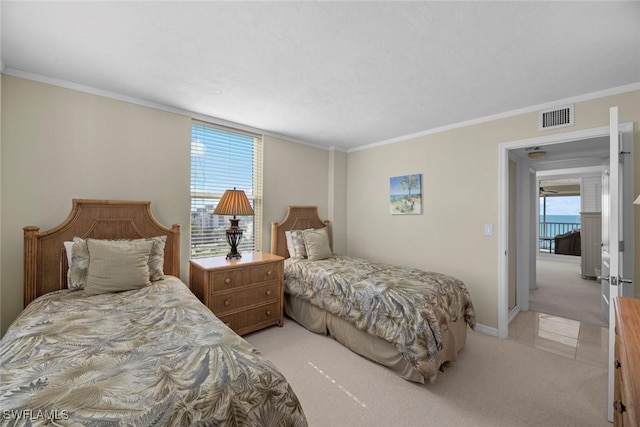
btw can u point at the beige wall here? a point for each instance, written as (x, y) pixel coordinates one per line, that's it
(338, 200)
(294, 174)
(59, 144)
(459, 169)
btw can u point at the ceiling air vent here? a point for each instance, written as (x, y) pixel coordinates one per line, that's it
(555, 117)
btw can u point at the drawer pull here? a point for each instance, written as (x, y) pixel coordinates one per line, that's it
(227, 302)
(268, 272)
(227, 280)
(617, 364)
(268, 292)
(268, 313)
(619, 406)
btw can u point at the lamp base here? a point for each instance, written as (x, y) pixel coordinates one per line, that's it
(232, 255)
(234, 235)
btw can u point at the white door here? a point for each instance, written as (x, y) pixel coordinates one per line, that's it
(605, 249)
(611, 234)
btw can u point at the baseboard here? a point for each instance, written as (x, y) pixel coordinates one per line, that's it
(513, 313)
(487, 330)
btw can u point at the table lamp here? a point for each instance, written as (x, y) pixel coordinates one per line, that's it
(234, 202)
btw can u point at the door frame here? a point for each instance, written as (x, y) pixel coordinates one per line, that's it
(524, 243)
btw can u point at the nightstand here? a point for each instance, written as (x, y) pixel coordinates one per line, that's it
(246, 293)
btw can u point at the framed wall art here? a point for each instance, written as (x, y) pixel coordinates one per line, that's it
(405, 194)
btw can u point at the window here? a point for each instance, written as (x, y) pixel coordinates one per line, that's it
(558, 215)
(223, 158)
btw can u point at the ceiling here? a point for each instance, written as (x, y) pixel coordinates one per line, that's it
(560, 187)
(333, 74)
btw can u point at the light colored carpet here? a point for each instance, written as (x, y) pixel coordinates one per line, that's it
(493, 383)
(562, 292)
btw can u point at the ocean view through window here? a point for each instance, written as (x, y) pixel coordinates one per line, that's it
(558, 215)
(221, 159)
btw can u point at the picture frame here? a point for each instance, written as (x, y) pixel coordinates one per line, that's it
(405, 194)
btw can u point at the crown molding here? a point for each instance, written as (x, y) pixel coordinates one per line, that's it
(138, 101)
(214, 120)
(532, 109)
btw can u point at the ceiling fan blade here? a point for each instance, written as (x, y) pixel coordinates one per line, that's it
(544, 190)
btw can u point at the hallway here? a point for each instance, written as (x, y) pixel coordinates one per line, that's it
(579, 341)
(564, 315)
(563, 292)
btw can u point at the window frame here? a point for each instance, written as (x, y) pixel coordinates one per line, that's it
(203, 202)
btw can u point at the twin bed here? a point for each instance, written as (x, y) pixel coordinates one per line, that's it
(93, 348)
(408, 320)
(152, 355)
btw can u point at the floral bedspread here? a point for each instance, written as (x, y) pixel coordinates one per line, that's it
(404, 306)
(152, 357)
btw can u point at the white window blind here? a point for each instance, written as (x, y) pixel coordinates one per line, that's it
(221, 159)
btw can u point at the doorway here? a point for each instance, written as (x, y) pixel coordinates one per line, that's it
(579, 151)
(569, 234)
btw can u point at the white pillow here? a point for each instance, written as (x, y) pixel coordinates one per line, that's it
(69, 251)
(290, 247)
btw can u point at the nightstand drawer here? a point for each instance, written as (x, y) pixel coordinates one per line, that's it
(227, 301)
(233, 278)
(252, 319)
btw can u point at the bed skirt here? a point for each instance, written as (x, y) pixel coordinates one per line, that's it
(321, 322)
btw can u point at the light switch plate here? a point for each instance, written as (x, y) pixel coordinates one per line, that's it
(488, 229)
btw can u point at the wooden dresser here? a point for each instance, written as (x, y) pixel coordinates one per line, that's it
(246, 293)
(626, 400)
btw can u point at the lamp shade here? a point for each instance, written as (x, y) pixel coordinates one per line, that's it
(234, 202)
(637, 202)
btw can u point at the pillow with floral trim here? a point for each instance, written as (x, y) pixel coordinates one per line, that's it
(77, 274)
(299, 251)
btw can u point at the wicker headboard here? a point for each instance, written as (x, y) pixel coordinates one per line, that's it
(45, 261)
(298, 218)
